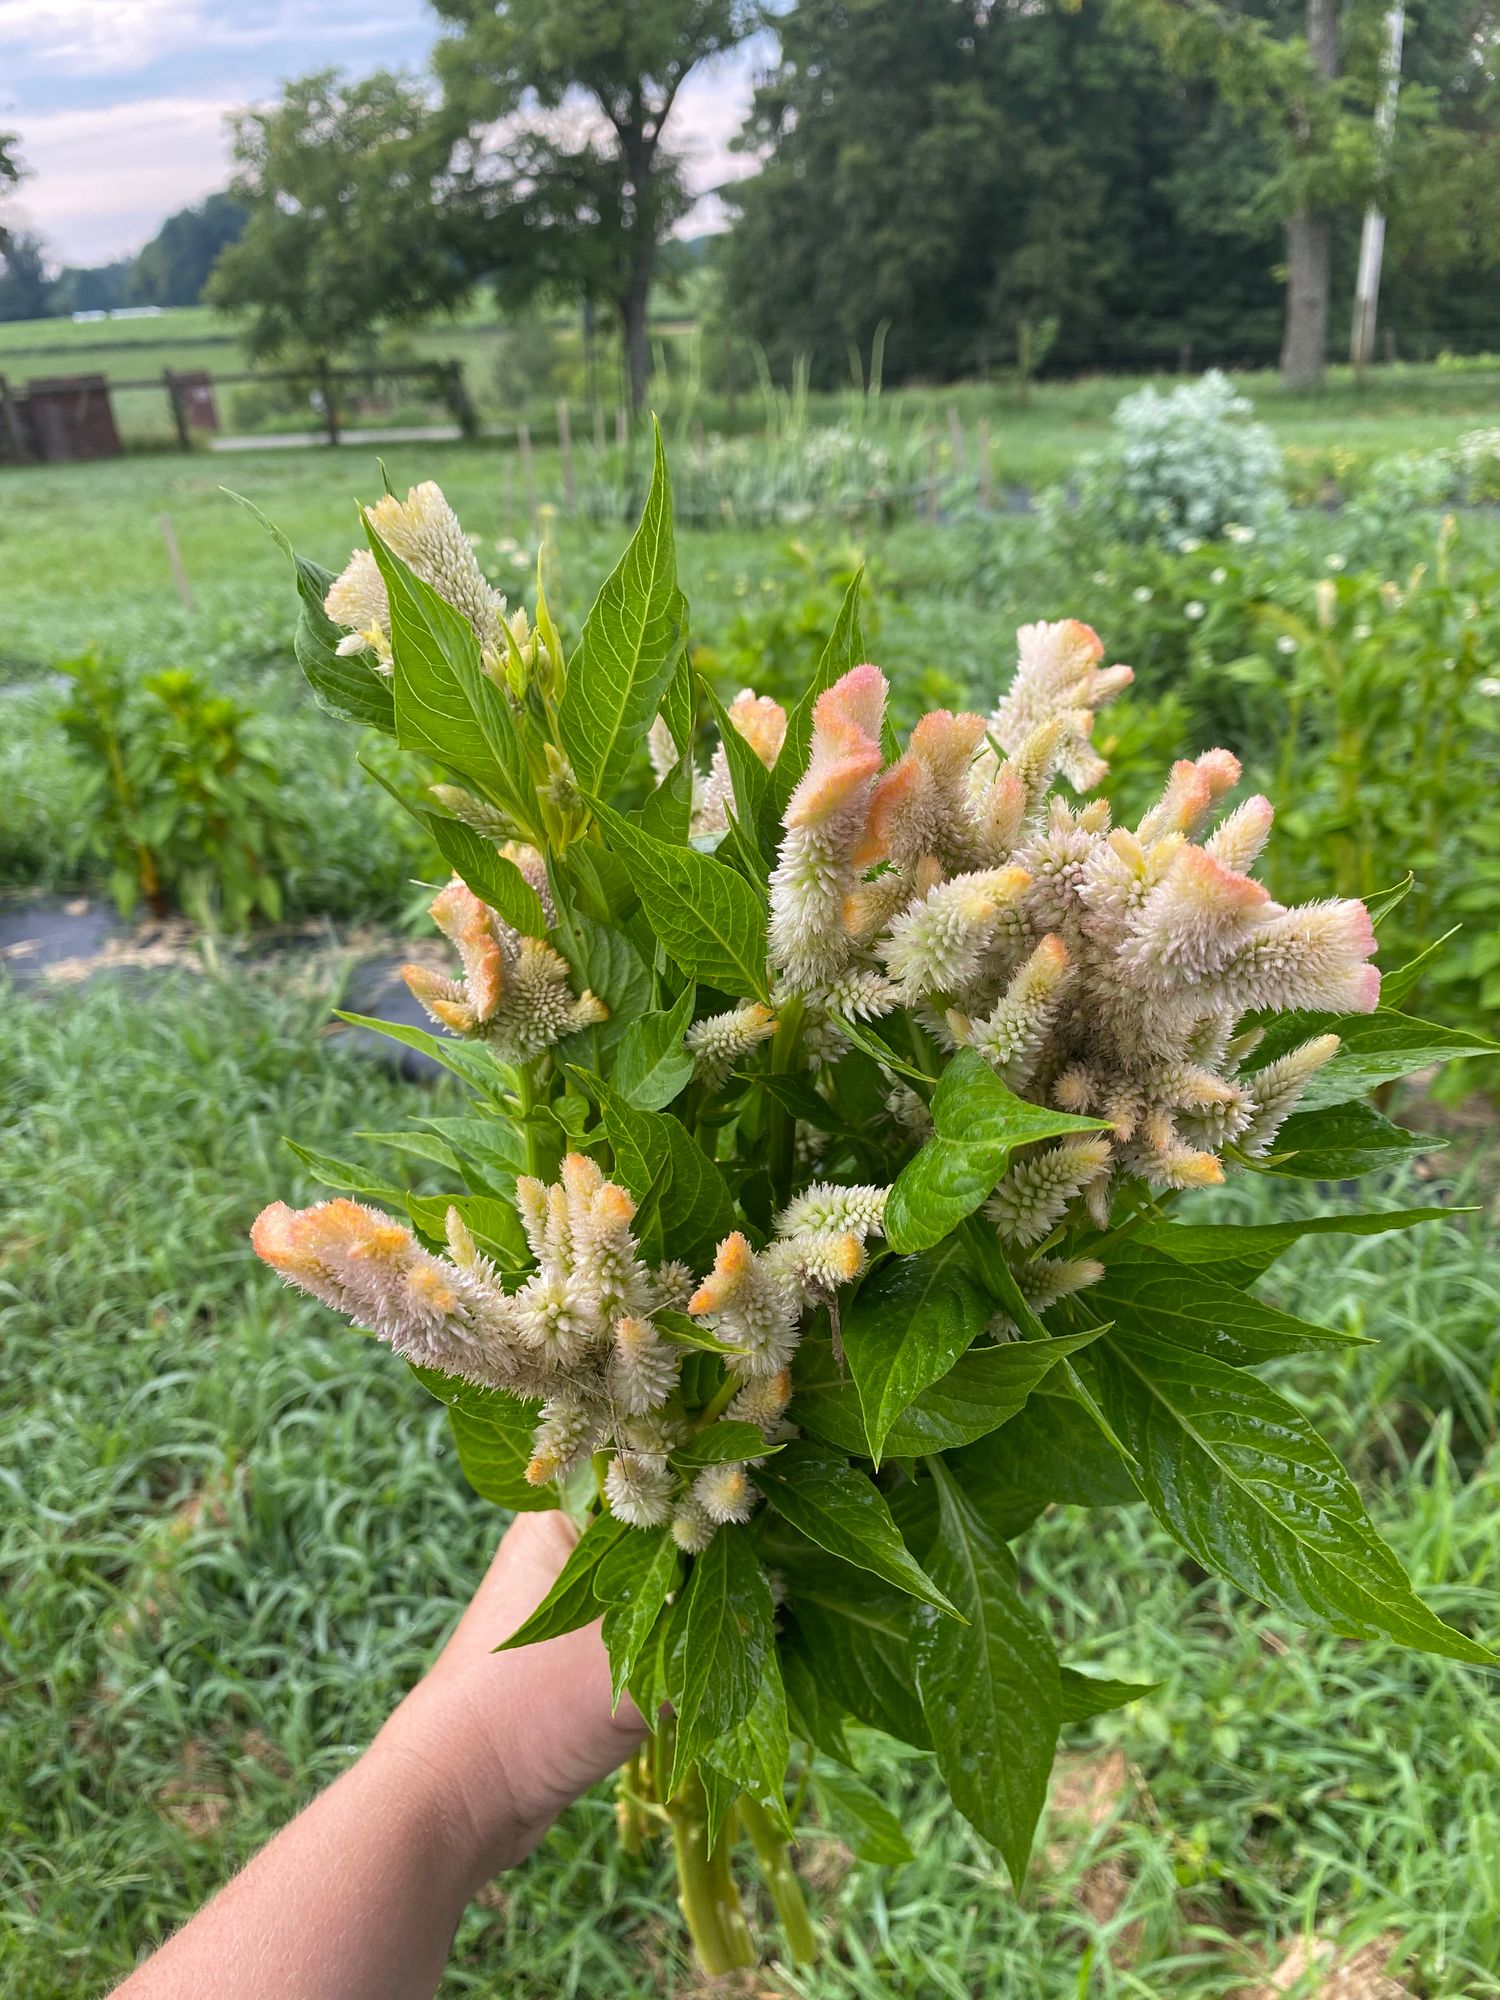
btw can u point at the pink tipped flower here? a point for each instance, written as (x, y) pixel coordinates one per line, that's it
(762, 723)
(1237, 840)
(1191, 925)
(846, 751)
(1314, 956)
(1191, 791)
(920, 806)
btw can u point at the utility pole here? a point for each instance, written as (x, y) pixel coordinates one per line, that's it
(1372, 235)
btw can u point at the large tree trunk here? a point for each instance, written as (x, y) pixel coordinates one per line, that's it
(1309, 232)
(1305, 337)
(637, 345)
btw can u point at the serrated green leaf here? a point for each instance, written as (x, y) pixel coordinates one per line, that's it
(475, 1065)
(629, 650)
(1086, 1695)
(835, 1505)
(870, 1827)
(571, 1602)
(493, 1434)
(633, 1581)
(845, 649)
(979, 1122)
(726, 1442)
(854, 1637)
(1189, 1306)
(347, 685)
(1050, 1450)
(668, 810)
(1373, 1049)
(725, 1620)
(1343, 1141)
(691, 1202)
(652, 1064)
(909, 1324)
(709, 920)
(605, 961)
(813, 1711)
(990, 1688)
(1255, 1246)
(756, 1751)
(983, 1390)
(446, 705)
(1253, 1493)
(493, 878)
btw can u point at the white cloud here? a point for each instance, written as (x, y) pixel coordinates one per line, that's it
(106, 179)
(94, 37)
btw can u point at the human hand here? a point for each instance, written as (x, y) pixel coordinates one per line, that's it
(512, 1738)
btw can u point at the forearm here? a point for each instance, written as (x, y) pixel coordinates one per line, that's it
(357, 1899)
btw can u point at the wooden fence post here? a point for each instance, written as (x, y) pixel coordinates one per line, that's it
(565, 446)
(179, 410)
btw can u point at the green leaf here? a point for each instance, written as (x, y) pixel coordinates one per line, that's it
(493, 878)
(634, 1581)
(979, 1123)
(983, 1390)
(668, 811)
(1401, 980)
(493, 1223)
(631, 643)
(605, 961)
(344, 1175)
(446, 705)
(854, 1639)
(571, 1601)
(1342, 1142)
(709, 920)
(750, 779)
(475, 1065)
(493, 1433)
(723, 1443)
(909, 1324)
(845, 649)
(871, 1828)
(813, 1711)
(685, 1332)
(990, 1688)
(651, 1062)
(1188, 1306)
(835, 1505)
(1086, 1695)
(1253, 1493)
(1373, 1049)
(756, 1751)
(725, 1620)
(1051, 1450)
(1252, 1247)
(691, 1204)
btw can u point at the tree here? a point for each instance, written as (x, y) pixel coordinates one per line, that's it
(587, 211)
(11, 172)
(25, 288)
(345, 185)
(174, 266)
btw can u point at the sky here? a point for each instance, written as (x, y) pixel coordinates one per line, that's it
(121, 105)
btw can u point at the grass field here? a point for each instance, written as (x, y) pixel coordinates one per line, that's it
(231, 1532)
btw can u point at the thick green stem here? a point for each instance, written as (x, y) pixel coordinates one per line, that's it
(526, 1098)
(706, 1893)
(773, 1851)
(781, 1127)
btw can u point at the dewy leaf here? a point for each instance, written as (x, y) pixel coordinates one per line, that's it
(632, 640)
(493, 1433)
(835, 1505)
(1255, 1246)
(854, 1639)
(1253, 1493)
(845, 649)
(1343, 1141)
(990, 1688)
(709, 919)
(446, 705)
(722, 1443)
(978, 1123)
(1196, 1310)
(725, 1616)
(652, 1064)
(571, 1601)
(1373, 1049)
(1051, 1450)
(908, 1326)
(493, 878)
(983, 1390)
(871, 1828)
(656, 1153)
(634, 1581)
(1086, 1695)
(756, 1751)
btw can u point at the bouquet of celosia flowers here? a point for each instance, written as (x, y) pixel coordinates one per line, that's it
(811, 1231)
